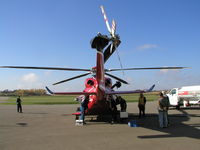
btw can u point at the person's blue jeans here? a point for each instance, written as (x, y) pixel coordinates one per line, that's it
(82, 109)
(162, 115)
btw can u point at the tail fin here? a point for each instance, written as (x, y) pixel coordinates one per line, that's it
(49, 90)
(150, 89)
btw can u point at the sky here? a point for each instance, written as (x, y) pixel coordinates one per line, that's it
(52, 33)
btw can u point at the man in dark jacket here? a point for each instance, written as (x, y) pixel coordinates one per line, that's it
(141, 105)
(19, 106)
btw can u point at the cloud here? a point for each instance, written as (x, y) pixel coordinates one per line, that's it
(48, 73)
(30, 81)
(170, 76)
(147, 46)
(164, 71)
(30, 78)
(169, 71)
(30, 86)
(129, 79)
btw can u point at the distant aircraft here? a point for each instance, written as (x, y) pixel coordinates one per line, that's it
(99, 87)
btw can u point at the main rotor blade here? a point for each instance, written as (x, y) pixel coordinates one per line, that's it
(79, 76)
(106, 20)
(121, 80)
(47, 68)
(108, 70)
(113, 27)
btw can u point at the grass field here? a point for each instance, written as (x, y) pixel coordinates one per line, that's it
(51, 100)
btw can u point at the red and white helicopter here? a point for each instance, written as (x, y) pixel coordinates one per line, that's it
(98, 87)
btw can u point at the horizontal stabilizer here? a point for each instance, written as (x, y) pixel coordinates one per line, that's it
(70, 93)
(125, 92)
(131, 92)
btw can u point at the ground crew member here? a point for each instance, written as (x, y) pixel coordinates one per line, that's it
(84, 100)
(163, 105)
(141, 105)
(19, 106)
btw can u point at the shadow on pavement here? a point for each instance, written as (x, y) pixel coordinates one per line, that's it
(177, 127)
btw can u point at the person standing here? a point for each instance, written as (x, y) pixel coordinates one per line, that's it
(19, 105)
(141, 105)
(162, 111)
(167, 104)
(84, 100)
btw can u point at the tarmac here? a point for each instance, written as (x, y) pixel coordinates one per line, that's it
(51, 127)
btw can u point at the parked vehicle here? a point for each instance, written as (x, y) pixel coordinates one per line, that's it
(186, 96)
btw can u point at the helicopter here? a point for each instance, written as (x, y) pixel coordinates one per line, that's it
(99, 87)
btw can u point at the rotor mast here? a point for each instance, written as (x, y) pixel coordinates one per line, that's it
(99, 42)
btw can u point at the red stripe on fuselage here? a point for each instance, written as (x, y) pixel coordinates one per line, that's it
(183, 93)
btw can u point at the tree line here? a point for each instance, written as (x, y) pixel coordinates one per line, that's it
(23, 92)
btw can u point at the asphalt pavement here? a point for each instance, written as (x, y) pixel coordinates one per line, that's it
(51, 127)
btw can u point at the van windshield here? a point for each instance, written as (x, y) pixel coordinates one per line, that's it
(173, 91)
